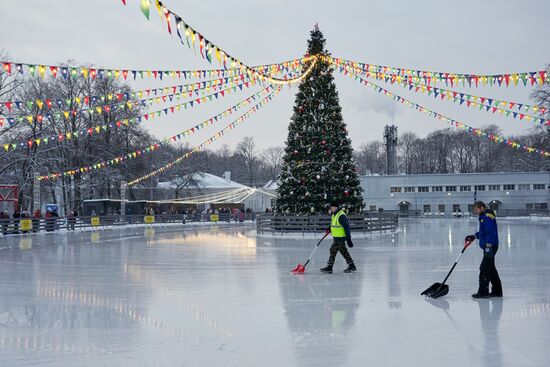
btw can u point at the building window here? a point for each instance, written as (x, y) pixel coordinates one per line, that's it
(372, 208)
(524, 187)
(423, 189)
(479, 187)
(456, 208)
(427, 208)
(466, 188)
(437, 188)
(395, 189)
(410, 189)
(441, 208)
(538, 186)
(471, 208)
(450, 188)
(537, 206)
(509, 187)
(494, 187)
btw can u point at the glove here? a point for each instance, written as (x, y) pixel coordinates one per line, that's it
(470, 238)
(327, 232)
(350, 244)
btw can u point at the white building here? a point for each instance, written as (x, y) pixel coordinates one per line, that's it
(440, 194)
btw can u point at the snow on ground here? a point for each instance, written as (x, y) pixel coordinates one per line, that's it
(217, 295)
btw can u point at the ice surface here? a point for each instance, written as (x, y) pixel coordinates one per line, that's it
(219, 296)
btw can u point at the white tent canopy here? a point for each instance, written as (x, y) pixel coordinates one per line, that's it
(201, 180)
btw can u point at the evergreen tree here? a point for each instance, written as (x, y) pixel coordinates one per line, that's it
(318, 165)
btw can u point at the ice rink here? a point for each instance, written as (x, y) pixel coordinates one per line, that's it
(219, 296)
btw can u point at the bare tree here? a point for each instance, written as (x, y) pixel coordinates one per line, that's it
(71, 133)
(542, 96)
(272, 159)
(224, 153)
(184, 175)
(246, 151)
(407, 145)
(371, 158)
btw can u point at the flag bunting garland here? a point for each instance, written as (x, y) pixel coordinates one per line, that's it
(531, 78)
(130, 105)
(463, 99)
(150, 116)
(454, 123)
(67, 71)
(207, 49)
(153, 147)
(209, 141)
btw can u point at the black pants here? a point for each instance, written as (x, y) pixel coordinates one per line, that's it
(488, 273)
(339, 244)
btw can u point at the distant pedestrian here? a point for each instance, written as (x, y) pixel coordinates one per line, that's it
(50, 221)
(241, 215)
(71, 220)
(16, 220)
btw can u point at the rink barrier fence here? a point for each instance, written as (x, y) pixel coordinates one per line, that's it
(362, 223)
(22, 225)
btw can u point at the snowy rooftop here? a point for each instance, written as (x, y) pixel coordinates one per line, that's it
(220, 296)
(271, 185)
(203, 181)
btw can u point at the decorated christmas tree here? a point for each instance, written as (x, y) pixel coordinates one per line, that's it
(318, 165)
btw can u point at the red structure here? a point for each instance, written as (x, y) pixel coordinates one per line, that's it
(9, 198)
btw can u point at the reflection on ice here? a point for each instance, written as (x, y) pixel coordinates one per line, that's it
(25, 243)
(178, 297)
(237, 242)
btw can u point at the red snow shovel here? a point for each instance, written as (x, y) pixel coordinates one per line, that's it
(299, 269)
(440, 289)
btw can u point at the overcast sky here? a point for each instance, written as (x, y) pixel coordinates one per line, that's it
(456, 36)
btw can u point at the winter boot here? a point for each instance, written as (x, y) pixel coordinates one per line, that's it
(351, 267)
(480, 295)
(495, 295)
(327, 269)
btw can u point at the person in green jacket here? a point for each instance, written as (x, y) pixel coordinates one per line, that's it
(341, 233)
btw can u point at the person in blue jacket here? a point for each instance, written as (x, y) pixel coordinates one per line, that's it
(488, 241)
